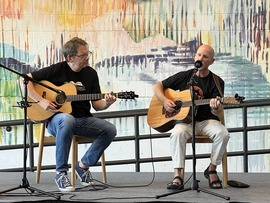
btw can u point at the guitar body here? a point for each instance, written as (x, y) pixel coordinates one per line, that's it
(156, 116)
(36, 113)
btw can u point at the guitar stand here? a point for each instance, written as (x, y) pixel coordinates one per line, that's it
(25, 184)
(195, 183)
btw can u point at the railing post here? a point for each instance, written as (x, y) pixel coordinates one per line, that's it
(245, 140)
(137, 143)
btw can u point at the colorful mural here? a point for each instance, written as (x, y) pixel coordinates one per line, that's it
(136, 43)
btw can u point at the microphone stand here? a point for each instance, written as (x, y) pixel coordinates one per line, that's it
(24, 104)
(195, 183)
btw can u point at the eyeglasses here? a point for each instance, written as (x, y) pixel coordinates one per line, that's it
(89, 53)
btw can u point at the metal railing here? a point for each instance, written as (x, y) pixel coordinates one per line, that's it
(137, 114)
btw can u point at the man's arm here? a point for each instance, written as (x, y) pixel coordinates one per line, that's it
(105, 103)
(159, 92)
(44, 103)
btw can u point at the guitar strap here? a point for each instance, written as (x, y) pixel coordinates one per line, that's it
(216, 79)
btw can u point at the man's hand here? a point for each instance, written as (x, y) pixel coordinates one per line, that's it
(215, 103)
(169, 105)
(110, 99)
(48, 105)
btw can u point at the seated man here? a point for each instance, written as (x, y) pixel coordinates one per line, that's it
(81, 122)
(207, 121)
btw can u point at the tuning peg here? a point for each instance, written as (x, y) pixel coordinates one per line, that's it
(236, 96)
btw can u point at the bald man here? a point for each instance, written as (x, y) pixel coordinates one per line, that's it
(206, 85)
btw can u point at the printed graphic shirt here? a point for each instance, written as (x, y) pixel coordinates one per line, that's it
(205, 87)
(86, 82)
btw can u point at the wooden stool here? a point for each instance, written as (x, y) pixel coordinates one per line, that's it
(74, 148)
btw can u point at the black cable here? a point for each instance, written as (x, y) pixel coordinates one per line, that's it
(103, 186)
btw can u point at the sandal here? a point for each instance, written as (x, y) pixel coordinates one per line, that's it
(211, 184)
(175, 185)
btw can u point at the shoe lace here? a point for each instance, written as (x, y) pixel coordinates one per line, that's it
(65, 180)
(87, 176)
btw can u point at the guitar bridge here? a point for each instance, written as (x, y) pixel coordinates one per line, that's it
(170, 114)
(43, 95)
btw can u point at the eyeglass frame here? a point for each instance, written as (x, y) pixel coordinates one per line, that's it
(89, 53)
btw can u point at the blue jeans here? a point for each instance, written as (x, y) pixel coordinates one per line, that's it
(63, 126)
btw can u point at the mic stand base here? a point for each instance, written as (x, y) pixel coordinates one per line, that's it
(194, 186)
(25, 185)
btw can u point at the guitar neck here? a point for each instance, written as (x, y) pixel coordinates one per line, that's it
(85, 97)
(197, 102)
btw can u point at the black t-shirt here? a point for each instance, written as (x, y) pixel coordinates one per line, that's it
(86, 82)
(203, 86)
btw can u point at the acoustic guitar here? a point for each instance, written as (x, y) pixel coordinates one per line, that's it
(63, 97)
(163, 121)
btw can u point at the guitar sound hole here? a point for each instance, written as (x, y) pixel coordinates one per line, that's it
(178, 104)
(60, 99)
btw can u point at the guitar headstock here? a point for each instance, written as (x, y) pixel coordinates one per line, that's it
(127, 95)
(233, 100)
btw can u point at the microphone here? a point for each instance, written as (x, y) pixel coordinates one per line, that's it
(198, 64)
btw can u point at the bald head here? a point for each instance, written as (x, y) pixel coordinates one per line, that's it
(205, 54)
(207, 49)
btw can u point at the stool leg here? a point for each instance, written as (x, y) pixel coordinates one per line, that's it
(40, 151)
(225, 170)
(74, 158)
(103, 165)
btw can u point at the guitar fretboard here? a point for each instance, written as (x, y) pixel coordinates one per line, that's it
(85, 97)
(197, 102)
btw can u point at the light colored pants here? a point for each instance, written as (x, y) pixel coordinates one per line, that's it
(182, 132)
